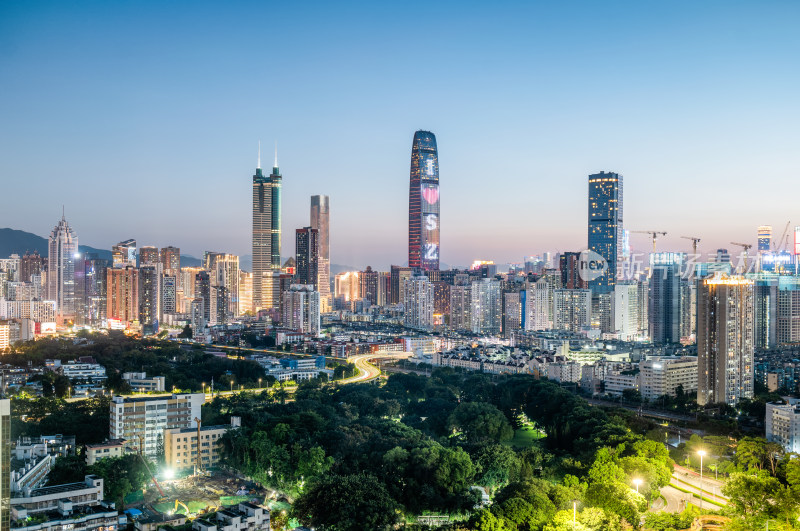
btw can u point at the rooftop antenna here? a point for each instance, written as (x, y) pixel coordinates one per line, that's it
(276, 154)
(259, 155)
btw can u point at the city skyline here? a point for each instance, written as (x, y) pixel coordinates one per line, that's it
(670, 105)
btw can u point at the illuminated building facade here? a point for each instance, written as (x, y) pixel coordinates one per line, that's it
(300, 309)
(122, 295)
(788, 310)
(266, 237)
(90, 279)
(572, 309)
(397, 277)
(764, 238)
(370, 285)
(321, 220)
(461, 307)
(150, 298)
(148, 255)
(423, 204)
(171, 258)
(123, 254)
(605, 226)
(725, 342)
(487, 307)
(63, 248)
(30, 265)
(418, 302)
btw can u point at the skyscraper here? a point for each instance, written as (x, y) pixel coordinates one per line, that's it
(300, 309)
(487, 307)
(572, 309)
(90, 278)
(150, 298)
(605, 226)
(725, 322)
(418, 302)
(764, 238)
(171, 258)
(122, 294)
(307, 256)
(321, 220)
(148, 255)
(664, 301)
(423, 203)
(266, 237)
(29, 265)
(61, 268)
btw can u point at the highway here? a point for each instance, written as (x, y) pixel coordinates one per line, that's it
(366, 370)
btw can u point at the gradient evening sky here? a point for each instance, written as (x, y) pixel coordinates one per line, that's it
(143, 118)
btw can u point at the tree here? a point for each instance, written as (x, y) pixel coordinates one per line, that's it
(121, 475)
(346, 502)
(752, 494)
(479, 421)
(67, 469)
(186, 333)
(496, 464)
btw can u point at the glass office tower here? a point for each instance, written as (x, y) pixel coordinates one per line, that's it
(423, 204)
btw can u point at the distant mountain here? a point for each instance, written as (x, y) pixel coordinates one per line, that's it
(19, 242)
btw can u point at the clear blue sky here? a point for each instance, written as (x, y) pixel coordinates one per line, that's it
(143, 119)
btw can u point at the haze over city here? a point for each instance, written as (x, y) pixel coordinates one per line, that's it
(147, 127)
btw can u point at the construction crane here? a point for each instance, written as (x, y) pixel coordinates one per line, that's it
(695, 241)
(745, 247)
(141, 456)
(199, 464)
(653, 233)
(784, 238)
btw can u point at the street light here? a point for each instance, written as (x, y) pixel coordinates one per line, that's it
(701, 453)
(637, 482)
(259, 384)
(574, 512)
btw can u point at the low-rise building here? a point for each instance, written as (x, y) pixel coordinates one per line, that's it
(58, 497)
(140, 383)
(111, 448)
(783, 423)
(181, 444)
(246, 515)
(75, 370)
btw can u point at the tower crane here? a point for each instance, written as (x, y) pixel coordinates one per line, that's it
(745, 247)
(782, 242)
(695, 241)
(654, 233)
(199, 464)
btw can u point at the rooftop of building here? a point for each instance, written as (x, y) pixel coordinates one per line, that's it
(58, 489)
(108, 444)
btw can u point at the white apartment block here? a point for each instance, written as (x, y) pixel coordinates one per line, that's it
(661, 375)
(783, 424)
(144, 419)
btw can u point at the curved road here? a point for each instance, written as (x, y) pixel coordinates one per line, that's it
(366, 370)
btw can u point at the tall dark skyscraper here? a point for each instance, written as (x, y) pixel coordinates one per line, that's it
(321, 220)
(423, 203)
(664, 301)
(266, 237)
(605, 226)
(307, 256)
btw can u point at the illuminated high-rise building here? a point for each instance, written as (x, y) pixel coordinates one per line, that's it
(397, 277)
(245, 292)
(150, 298)
(487, 307)
(764, 238)
(61, 259)
(423, 203)
(169, 294)
(725, 342)
(123, 254)
(122, 294)
(321, 220)
(224, 288)
(300, 309)
(307, 256)
(90, 278)
(788, 310)
(148, 255)
(572, 309)
(30, 265)
(266, 237)
(418, 302)
(605, 226)
(370, 285)
(170, 258)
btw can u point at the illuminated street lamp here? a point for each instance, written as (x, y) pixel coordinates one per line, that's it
(701, 453)
(637, 482)
(259, 384)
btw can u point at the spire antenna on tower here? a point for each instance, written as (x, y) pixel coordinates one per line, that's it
(259, 155)
(276, 154)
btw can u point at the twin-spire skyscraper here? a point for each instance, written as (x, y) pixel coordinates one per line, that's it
(266, 236)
